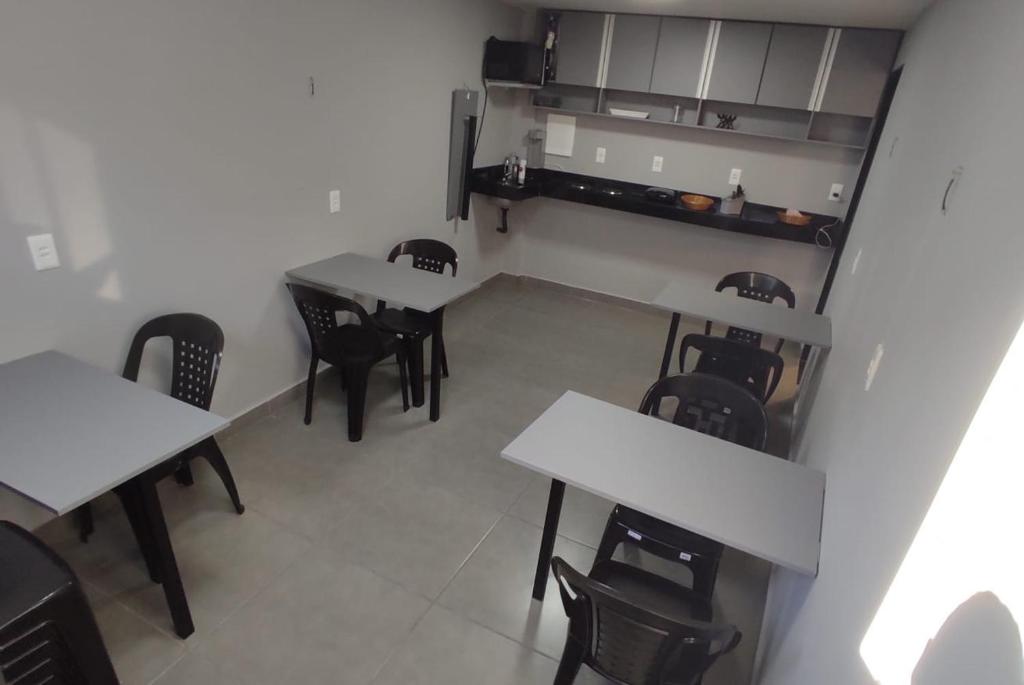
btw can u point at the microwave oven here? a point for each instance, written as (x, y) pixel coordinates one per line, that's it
(513, 63)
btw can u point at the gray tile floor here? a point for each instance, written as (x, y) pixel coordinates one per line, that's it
(405, 558)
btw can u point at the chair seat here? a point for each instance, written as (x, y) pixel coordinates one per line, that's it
(356, 344)
(404, 321)
(666, 533)
(653, 592)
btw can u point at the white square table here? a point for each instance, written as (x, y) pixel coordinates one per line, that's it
(749, 500)
(396, 284)
(70, 432)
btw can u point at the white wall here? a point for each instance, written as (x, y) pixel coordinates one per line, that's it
(944, 294)
(775, 172)
(173, 150)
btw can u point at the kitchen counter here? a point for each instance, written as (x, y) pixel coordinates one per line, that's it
(755, 219)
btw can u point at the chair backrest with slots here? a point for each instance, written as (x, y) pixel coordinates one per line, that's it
(711, 405)
(427, 254)
(198, 346)
(634, 644)
(754, 285)
(756, 369)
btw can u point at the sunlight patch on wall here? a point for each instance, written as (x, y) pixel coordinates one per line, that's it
(74, 179)
(969, 541)
(22, 193)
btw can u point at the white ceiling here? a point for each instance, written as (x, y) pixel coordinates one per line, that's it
(874, 13)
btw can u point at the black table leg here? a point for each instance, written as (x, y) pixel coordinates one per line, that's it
(436, 344)
(547, 542)
(666, 359)
(670, 344)
(174, 592)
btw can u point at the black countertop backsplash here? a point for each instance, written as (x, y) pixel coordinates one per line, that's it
(755, 219)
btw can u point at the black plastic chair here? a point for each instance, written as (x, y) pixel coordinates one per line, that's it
(636, 628)
(429, 255)
(48, 633)
(198, 345)
(754, 285)
(354, 348)
(756, 369)
(710, 405)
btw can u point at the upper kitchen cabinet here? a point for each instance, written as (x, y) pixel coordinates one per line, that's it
(679, 61)
(860, 64)
(737, 59)
(796, 57)
(634, 39)
(581, 47)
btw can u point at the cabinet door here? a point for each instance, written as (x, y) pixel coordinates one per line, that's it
(580, 45)
(860, 68)
(631, 60)
(791, 69)
(737, 62)
(680, 56)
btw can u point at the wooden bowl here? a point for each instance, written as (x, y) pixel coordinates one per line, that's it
(794, 219)
(697, 203)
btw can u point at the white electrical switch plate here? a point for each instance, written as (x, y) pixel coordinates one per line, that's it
(657, 164)
(601, 152)
(734, 177)
(836, 193)
(873, 366)
(335, 196)
(44, 252)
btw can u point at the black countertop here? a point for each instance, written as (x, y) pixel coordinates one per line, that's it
(755, 219)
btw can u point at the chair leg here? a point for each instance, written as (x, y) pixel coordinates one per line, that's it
(183, 475)
(356, 393)
(572, 659)
(403, 378)
(210, 451)
(86, 526)
(609, 540)
(310, 384)
(444, 360)
(416, 370)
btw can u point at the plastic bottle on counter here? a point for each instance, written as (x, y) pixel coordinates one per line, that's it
(521, 172)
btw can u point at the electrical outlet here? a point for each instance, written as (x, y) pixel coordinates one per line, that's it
(335, 198)
(599, 158)
(836, 193)
(856, 262)
(44, 251)
(734, 177)
(873, 365)
(658, 163)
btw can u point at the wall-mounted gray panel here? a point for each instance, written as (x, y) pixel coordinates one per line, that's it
(738, 61)
(792, 66)
(580, 43)
(680, 56)
(859, 71)
(631, 61)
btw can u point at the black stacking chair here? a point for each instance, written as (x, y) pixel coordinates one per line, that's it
(636, 628)
(354, 348)
(198, 345)
(429, 255)
(754, 285)
(710, 405)
(47, 630)
(756, 369)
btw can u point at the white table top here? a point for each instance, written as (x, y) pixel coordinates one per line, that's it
(397, 284)
(743, 498)
(70, 431)
(701, 301)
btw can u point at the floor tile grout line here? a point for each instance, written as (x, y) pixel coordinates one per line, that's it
(469, 556)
